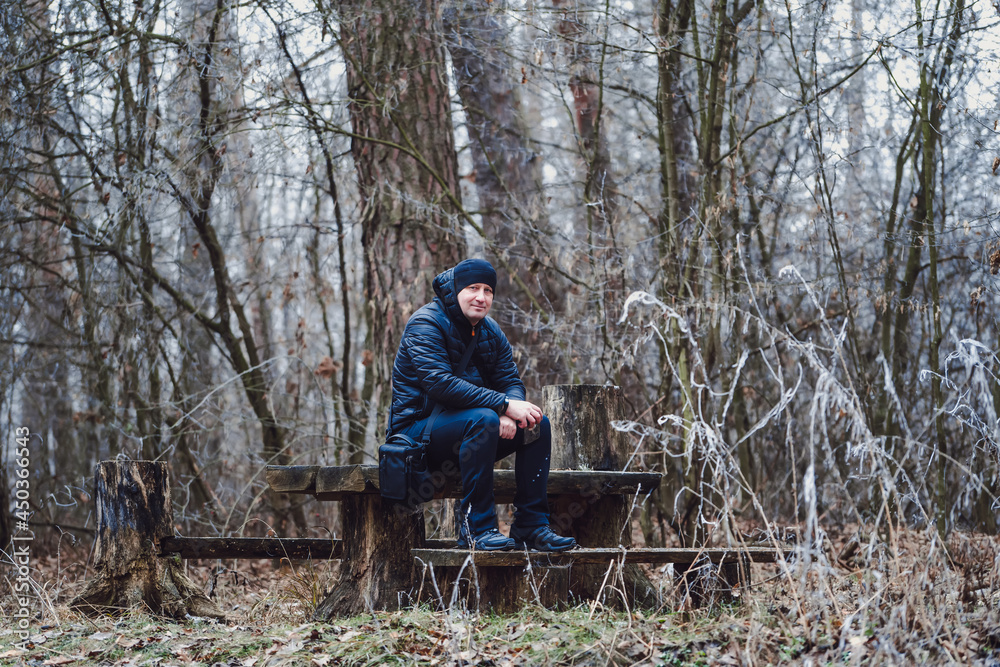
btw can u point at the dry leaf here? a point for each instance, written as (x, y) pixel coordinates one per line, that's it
(328, 367)
(996, 163)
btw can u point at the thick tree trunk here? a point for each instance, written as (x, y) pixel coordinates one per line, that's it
(133, 514)
(405, 158)
(508, 180)
(601, 233)
(585, 68)
(583, 439)
(376, 569)
(61, 453)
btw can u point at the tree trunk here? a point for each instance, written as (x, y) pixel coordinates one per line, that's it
(583, 439)
(376, 569)
(133, 514)
(884, 422)
(404, 153)
(508, 178)
(5, 520)
(586, 76)
(585, 64)
(932, 105)
(46, 405)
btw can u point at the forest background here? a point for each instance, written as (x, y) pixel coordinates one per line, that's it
(773, 224)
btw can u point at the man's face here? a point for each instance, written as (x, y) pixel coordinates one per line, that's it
(475, 301)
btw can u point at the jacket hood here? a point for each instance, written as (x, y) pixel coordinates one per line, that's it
(444, 289)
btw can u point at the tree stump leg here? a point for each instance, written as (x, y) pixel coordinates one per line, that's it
(133, 514)
(705, 584)
(545, 586)
(737, 573)
(376, 568)
(504, 590)
(597, 522)
(583, 439)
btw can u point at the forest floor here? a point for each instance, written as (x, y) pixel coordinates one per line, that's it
(912, 608)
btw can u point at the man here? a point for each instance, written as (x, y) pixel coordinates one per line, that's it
(484, 416)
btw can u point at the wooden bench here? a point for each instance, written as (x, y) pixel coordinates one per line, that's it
(374, 529)
(384, 553)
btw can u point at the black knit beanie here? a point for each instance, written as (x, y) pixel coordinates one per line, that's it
(472, 271)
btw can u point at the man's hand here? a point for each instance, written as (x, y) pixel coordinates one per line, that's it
(525, 414)
(508, 428)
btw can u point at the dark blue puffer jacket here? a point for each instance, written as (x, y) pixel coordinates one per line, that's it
(430, 352)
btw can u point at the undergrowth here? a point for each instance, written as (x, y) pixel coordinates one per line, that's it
(911, 607)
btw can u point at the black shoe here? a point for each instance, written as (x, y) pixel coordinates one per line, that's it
(541, 538)
(490, 540)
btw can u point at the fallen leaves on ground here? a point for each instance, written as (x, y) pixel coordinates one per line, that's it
(915, 604)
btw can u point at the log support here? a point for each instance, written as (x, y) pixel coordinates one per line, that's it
(704, 583)
(376, 566)
(583, 439)
(501, 589)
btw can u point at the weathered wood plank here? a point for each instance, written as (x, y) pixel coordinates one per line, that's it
(596, 482)
(292, 479)
(457, 557)
(335, 482)
(301, 548)
(295, 548)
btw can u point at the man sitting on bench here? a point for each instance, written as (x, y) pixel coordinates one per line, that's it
(483, 416)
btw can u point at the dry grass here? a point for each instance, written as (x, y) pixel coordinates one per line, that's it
(907, 600)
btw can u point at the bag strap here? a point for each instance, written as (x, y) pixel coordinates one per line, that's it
(425, 437)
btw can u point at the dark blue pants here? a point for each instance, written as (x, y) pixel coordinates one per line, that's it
(466, 443)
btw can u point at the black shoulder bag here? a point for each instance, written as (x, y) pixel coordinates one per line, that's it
(404, 475)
